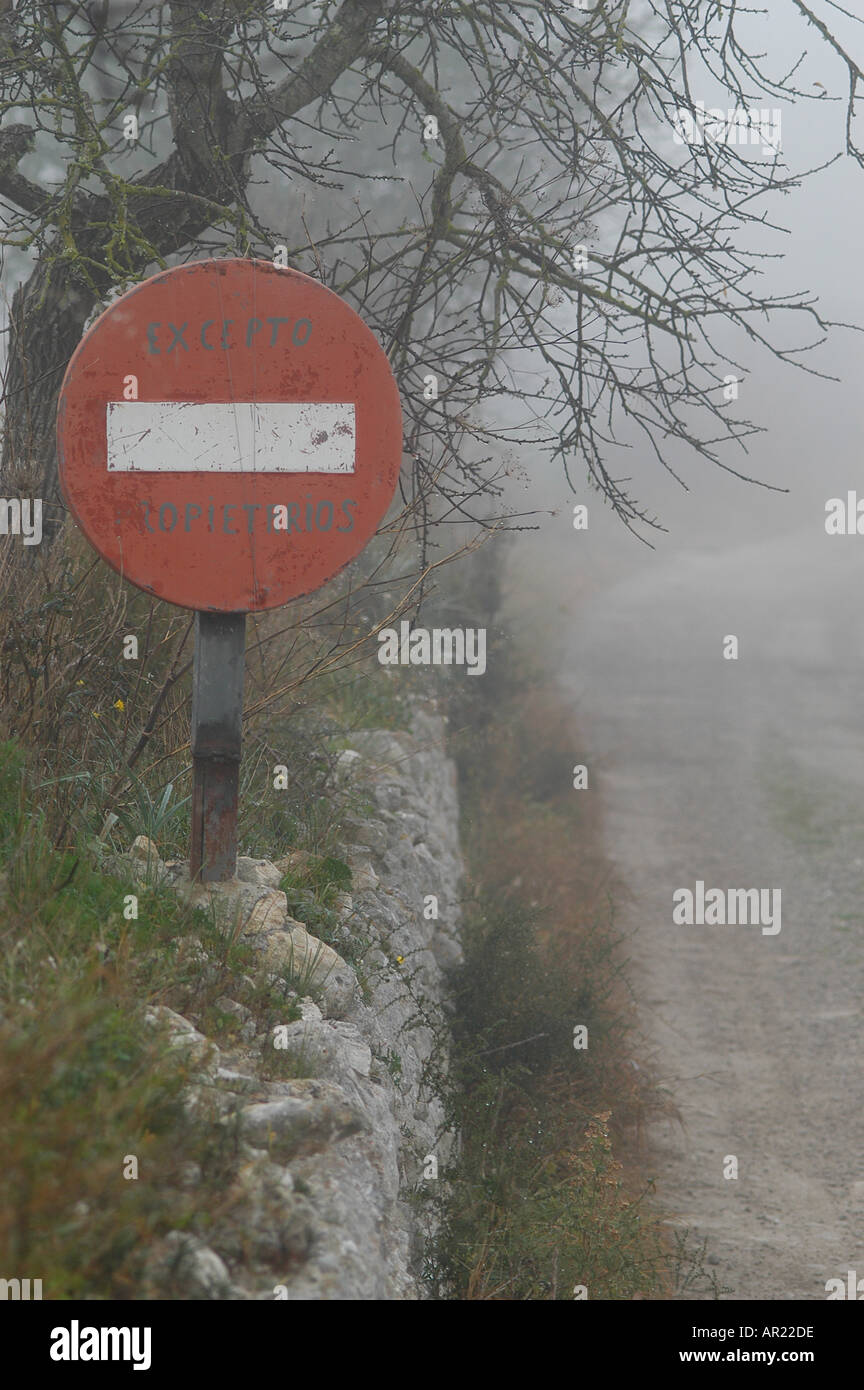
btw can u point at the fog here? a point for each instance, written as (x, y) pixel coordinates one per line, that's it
(811, 426)
(742, 773)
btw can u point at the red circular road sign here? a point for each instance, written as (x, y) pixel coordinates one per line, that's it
(229, 435)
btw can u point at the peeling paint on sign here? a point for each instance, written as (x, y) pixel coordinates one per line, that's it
(243, 437)
(229, 435)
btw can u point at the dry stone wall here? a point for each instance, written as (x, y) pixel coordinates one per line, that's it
(325, 1203)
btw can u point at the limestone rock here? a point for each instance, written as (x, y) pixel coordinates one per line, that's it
(363, 877)
(355, 1049)
(190, 1266)
(251, 904)
(345, 763)
(371, 834)
(312, 1115)
(183, 1037)
(328, 1049)
(141, 860)
(268, 911)
(143, 848)
(258, 871)
(313, 966)
(233, 1080)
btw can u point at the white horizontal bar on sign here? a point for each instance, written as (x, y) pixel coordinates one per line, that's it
(230, 437)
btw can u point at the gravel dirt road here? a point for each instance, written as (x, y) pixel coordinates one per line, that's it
(743, 774)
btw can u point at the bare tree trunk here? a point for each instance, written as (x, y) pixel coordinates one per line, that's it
(47, 319)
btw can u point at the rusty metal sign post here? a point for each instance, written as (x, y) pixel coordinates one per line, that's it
(229, 437)
(217, 722)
